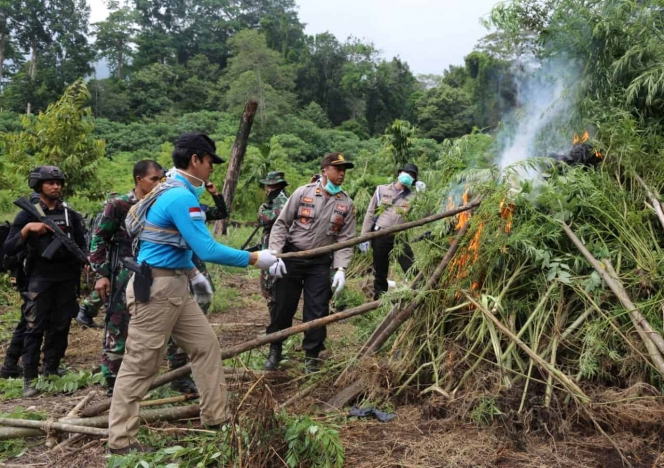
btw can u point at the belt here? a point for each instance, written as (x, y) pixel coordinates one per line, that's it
(160, 272)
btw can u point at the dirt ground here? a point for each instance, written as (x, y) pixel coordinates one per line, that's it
(417, 437)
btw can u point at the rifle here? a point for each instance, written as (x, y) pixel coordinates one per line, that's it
(61, 239)
(116, 293)
(251, 236)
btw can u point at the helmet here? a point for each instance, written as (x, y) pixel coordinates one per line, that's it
(274, 178)
(42, 173)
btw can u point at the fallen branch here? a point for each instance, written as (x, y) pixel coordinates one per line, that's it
(226, 353)
(382, 233)
(61, 446)
(651, 339)
(46, 426)
(79, 406)
(167, 401)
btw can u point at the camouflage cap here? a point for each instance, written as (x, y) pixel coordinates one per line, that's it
(274, 178)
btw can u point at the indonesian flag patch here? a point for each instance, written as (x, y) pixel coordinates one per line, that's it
(196, 213)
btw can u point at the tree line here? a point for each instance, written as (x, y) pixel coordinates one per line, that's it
(172, 57)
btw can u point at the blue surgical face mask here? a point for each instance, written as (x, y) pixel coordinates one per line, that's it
(198, 191)
(406, 179)
(331, 188)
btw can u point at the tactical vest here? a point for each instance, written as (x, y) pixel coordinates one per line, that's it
(138, 226)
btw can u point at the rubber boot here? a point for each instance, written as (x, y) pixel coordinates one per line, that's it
(273, 358)
(53, 368)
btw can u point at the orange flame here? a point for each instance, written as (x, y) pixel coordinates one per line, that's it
(580, 139)
(507, 212)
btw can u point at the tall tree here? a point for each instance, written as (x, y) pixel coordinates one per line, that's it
(116, 37)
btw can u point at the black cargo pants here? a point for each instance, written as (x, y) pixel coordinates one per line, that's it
(311, 275)
(48, 309)
(382, 247)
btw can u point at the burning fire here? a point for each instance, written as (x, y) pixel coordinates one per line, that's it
(579, 140)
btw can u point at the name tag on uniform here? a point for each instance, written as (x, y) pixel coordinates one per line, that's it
(307, 200)
(196, 213)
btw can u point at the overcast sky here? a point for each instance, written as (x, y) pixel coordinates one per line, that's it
(429, 34)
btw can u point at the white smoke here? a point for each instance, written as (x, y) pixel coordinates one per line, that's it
(542, 122)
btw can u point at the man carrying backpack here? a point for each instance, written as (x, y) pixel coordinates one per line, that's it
(170, 226)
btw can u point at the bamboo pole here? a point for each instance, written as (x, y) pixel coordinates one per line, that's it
(167, 401)
(382, 233)
(557, 374)
(226, 353)
(148, 416)
(645, 331)
(8, 433)
(58, 426)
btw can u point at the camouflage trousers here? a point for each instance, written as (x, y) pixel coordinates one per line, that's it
(92, 304)
(115, 336)
(267, 287)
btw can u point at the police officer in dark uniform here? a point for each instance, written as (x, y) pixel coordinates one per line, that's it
(51, 284)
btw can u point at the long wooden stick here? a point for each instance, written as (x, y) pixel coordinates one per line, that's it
(354, 389)
(648, 335)
(150, 415)
(226, 353)
(381, 233)
(58, 426)
(76, 410)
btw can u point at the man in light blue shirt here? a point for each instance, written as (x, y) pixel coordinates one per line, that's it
(173, 227)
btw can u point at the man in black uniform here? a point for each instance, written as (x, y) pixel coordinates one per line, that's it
(51, 284)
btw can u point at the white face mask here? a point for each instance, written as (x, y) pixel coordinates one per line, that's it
(192, 176)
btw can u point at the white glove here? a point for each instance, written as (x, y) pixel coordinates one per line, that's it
(201, 288)
(364, 247)
(339, 281)
(420, 186)
(266, 258)
(278, 270)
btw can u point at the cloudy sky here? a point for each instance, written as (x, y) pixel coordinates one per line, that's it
(429, 34)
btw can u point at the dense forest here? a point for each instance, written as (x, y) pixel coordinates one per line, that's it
(191, 65)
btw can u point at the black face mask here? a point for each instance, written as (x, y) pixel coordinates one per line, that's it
(274, 194)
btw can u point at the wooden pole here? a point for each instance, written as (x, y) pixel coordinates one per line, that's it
(150, 415)
(382, 233)
(651, 339)
(238, 151)
(58, 426)
(79, 406)
(226, 353)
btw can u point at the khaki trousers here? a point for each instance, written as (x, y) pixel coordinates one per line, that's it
(171, 311)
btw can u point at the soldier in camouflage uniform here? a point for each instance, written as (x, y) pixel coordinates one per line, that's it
(110, 234)
(175, 355)
(275, 190)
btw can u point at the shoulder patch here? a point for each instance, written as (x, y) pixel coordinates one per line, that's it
(196, 213)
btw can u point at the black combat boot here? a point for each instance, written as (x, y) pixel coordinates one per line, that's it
(53, 368)
(273, 358)
(311, 362)
(10, 369)
(110, 383)
(29, 390)
(184, 385)
(84, 319)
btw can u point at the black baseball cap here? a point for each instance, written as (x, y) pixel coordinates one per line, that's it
(199, 141)
(335, 159)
